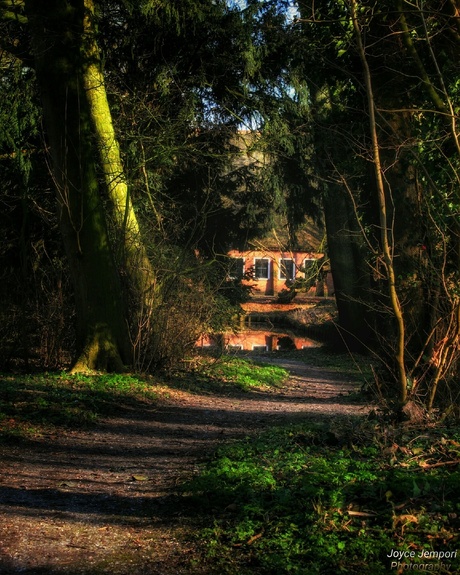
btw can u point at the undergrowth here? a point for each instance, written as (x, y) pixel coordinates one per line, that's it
(333, 498)
(29, 404)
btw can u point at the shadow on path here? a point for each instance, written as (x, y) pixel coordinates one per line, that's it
(106, 500)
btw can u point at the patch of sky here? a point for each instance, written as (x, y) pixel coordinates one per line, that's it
(289, 7)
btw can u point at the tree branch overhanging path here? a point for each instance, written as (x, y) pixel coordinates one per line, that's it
(108, 497)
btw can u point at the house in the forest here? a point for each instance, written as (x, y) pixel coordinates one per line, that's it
(270, 271)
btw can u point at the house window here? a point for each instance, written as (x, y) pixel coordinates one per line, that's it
(261, 268)
(287, 269)
(236, 268)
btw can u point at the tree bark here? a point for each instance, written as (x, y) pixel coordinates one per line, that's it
(56, 28)
(131, 250)
(349, 271)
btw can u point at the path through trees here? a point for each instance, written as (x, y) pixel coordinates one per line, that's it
(107, 500)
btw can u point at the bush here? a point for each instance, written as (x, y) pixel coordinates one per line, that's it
(188, 301)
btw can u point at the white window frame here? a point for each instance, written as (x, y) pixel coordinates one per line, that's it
(268, 269)
(280, 269)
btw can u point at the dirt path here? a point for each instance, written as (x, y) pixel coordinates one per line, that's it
(105, 500)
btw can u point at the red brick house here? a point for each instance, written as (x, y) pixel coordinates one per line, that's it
(273, 270)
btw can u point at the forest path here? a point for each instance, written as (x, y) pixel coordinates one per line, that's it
(106, 500)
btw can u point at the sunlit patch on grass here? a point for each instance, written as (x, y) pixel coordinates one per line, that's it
(245, 373)
(31, 403)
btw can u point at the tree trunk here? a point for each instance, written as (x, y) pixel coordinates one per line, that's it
(349, 271)
(56, 28)
(131, 250)
(386, 233)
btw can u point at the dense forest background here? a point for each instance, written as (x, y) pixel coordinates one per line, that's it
(123, 182)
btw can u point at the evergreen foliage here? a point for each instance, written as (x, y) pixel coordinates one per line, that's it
(183, 79)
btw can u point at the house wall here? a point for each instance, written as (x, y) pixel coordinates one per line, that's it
(275, 282)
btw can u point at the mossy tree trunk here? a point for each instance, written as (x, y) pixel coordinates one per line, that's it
(130, 248)
(56, 28)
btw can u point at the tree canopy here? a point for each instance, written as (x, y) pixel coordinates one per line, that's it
(169, 131)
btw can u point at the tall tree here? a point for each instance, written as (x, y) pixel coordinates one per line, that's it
(61, 55)
(325, 67)
(175, 113)
(392, 66)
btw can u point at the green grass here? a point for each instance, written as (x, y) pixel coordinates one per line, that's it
(227, 374)
(29, 404)
(320, 500)
(244, 374)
